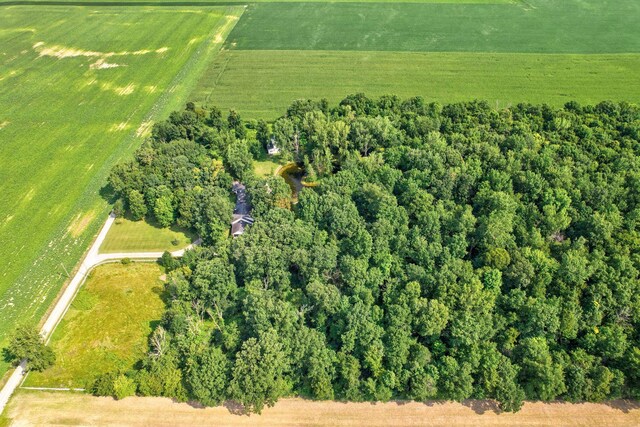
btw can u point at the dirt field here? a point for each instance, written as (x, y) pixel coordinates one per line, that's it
(63, 408)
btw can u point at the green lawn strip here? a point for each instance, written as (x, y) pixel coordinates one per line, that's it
(66, 122)
(126, 235)
(536, 26)
(265, 168)
(267, 165)
(106, 327)
(271, 79)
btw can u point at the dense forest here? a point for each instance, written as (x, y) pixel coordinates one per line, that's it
(446, 252)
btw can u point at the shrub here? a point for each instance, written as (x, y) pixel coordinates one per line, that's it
(123, 386)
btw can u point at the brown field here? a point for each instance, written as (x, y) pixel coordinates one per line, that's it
(64, 408)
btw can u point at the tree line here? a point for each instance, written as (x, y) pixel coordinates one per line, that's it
(449, 252)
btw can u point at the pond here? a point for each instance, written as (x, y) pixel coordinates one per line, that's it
(293, 174)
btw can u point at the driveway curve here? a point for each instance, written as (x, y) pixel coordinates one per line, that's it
(91, 260)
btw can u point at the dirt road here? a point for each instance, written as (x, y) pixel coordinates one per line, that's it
(51, 408)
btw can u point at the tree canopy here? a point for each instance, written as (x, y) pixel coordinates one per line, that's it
(447, 252)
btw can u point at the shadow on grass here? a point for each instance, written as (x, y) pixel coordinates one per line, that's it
(623, 405)
(235, 408)
(232, 406)
(482, 406)
(7, 357)
(151, 221)
(107, 193)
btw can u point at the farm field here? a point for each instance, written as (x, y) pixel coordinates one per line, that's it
(141, 236)
(534, 51)
(535, 26)
(79, 88)
(226, 2)
(107, 326)
(47, 408)
(501, 79)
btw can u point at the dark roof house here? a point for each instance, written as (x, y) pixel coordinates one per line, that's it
(242, 211)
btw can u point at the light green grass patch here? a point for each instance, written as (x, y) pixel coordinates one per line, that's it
(534, 26)
(107, 326)
(79, 89)
(266, 166)
(126, 235)
(272, 79)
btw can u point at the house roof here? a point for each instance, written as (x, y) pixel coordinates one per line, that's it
(237, 228)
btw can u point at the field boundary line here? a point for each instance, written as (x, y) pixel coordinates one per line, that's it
(116, 3)
(52, 388)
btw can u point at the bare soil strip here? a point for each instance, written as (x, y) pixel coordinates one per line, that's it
(50, 408)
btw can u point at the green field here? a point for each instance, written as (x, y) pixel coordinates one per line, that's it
(537, 26)
(79, 88)
(502, 79)
(540, 51)
(107, 326)
(226, 2)
(141, 236)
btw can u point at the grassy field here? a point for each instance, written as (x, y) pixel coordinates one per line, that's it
(535, 26)
(539, 51)
(107, 326)
(226, 2)
(267, 165)
(63, 408)
(79, 88)
(141, 236)
(272, 79)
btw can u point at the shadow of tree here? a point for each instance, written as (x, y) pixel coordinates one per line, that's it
(482, 406)
(235, 408)
(195, 404)
(107, 193)
(7, 356)
(624, 405)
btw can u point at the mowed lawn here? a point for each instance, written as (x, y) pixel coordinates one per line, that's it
(107, 326)
(126, 235)
(272, 79)
(79, 89)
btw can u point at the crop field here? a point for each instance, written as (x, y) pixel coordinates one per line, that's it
(79, 88)
(548, 51)
(106, 327)
(226, 2)
(64, 408)
(501, 79)
(142, 236)
(539, 26)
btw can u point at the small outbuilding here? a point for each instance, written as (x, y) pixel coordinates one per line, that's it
(272, 147)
